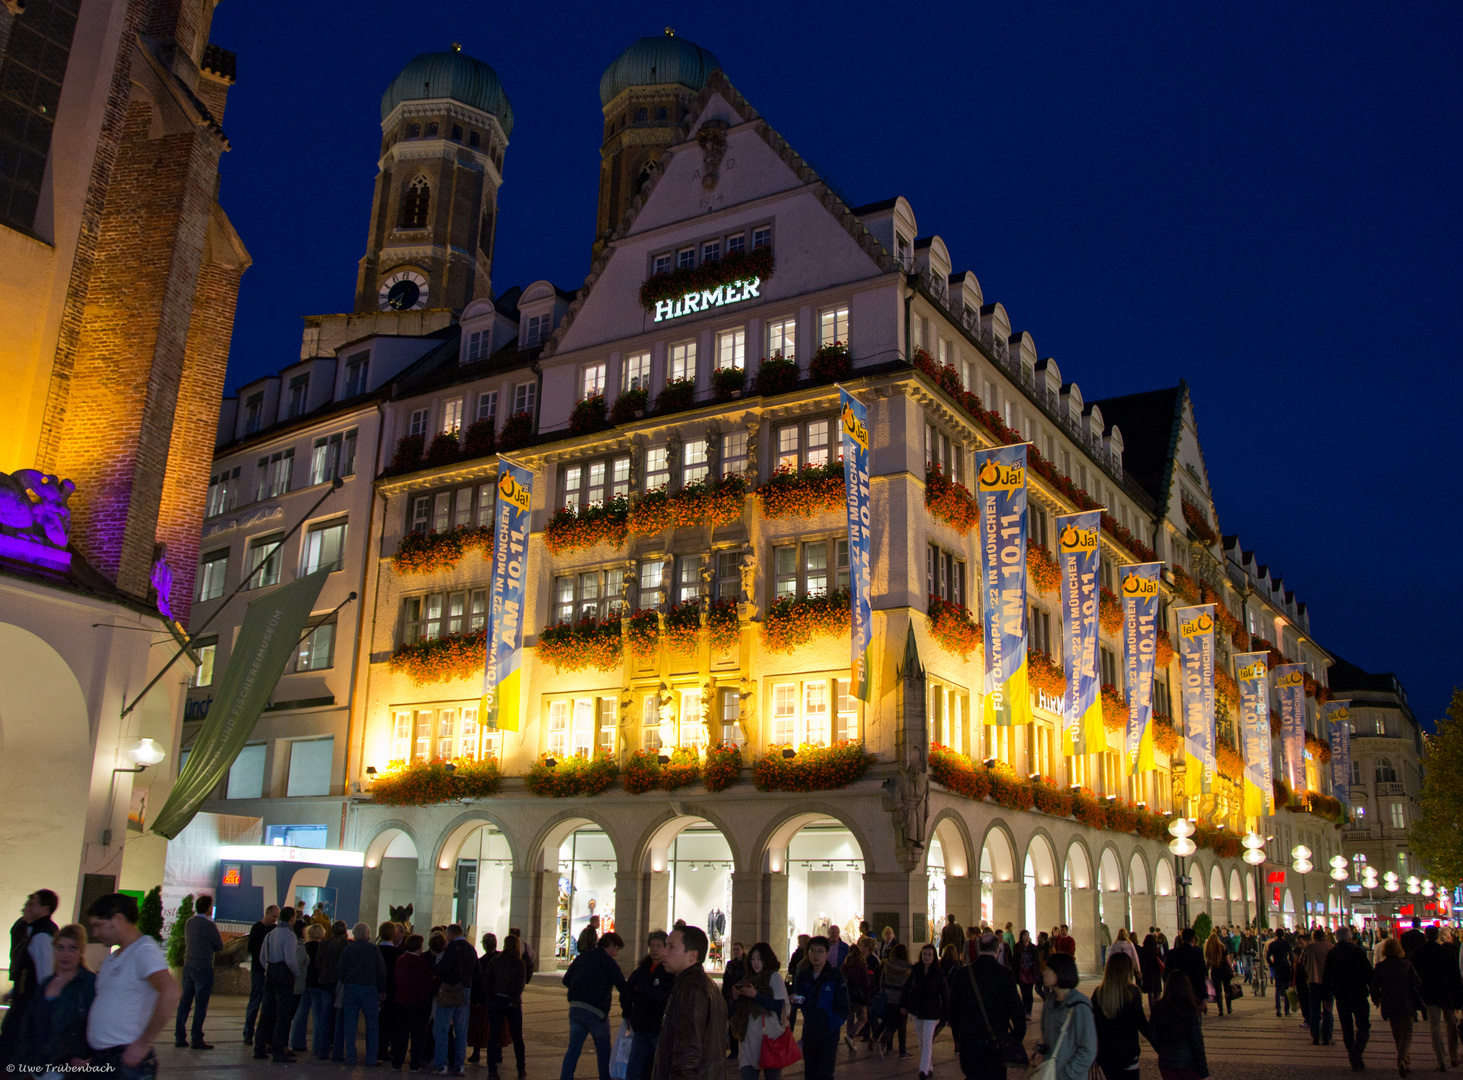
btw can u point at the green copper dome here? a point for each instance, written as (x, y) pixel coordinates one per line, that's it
(452, 75)
(654, 61)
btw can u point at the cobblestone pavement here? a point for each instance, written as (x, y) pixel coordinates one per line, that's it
(1252, 1044)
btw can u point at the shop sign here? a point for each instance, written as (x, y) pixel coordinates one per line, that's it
(733, 292)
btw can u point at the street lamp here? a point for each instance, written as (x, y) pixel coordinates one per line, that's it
(1254, 845)
(1181, 829)
(1414, 885)
(1301, 864)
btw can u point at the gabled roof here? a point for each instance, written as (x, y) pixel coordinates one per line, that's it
(1151, 423)
(718, 84)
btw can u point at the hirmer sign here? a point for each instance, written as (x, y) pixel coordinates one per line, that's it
(706, 299)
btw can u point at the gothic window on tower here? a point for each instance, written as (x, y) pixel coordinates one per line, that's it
(414, 131)
(415, 202)
(641, 115)
(474, 139)
(432, 130)
(34, 65)
(456, 132)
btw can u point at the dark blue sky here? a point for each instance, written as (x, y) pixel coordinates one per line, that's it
(1263, 201)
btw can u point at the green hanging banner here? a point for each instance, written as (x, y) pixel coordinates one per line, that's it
(267, 639)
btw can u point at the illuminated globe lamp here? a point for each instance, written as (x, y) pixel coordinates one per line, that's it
(1369, 877)
(1254, 845)
(1414, 884)
(1427, 887)
(1338, 868)
(1302, 859)
(1181, 829)
(1390, 881)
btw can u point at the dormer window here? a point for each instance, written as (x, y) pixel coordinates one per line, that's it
(357, 368)
(478, 344)
(253, 412)
(299, 391)
(902, 251)
(537, 329)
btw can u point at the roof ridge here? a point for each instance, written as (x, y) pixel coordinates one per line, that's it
(718, 83)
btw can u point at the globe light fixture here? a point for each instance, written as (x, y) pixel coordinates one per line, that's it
(1255, 856)
(1339, 874)
(1338, 868)
(1414, 886)
(1181, 829)
(1427, 887)
(1390, 881)
(146, 752)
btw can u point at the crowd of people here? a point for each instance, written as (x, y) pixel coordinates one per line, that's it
(424, 1002)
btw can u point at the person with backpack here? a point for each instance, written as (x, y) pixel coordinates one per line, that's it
(924, 997)
(1179, 1032)
(986, 1013)
(1068, 1033)
(822, 994)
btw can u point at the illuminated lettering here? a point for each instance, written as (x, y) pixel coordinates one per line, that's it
(700, 300)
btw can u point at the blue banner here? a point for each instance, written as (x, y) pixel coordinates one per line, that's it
(1253, 678)
(1338, 730)
(1078, 547)
(1139, 590)
(855, 419)
(1290, 691)
(1001, 476)
(1196, 660)
(503, 688)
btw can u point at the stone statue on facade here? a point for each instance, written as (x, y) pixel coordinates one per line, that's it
(712, 139)
(912, 800)
(33, 505)
(162, 581)
(747, 710)
(750, 472)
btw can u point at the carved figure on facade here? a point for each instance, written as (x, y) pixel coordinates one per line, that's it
(162, 581)
(912, 800)
(752, 448)
(33, 505)
(747, 710)
(712, 139)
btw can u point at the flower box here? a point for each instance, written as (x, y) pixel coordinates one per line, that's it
(1050, 799)
(441, 659)
(805, 492)
(1114, 709)
(629, 405)
(1163, 653)
(723, 766)
(574, 775)
(517, 430)
(480, 439)
(1166, 737)
(1199, 523)
(776, 375)
(830, 363)
(579, 530)
(437, 552)
(588, 415)
(443, 449)
(794, 621)
(1041, 569)
(678, 394)
(423, 783)
(1124, 536)
(1089, 809)
(724, 625)
(713, 503)
(954, 628)
(813, 768)
(1043, 674)
(1318, 748)
(1183, 586)
(590, 643)
(955, 772)
(736, 266)
(1228, 761)
(1109, 612)
(950, 502)
(1010, 790)
(683, 627)
(645, 772)
(409, 450)
(644, 634)
(728, 382)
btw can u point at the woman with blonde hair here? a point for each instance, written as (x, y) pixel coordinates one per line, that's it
(1221, 971)
(1117, 1013)
(53, 1031)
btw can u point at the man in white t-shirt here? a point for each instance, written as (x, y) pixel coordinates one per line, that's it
(135, 993)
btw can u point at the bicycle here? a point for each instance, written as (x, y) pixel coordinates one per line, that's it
(1259, 978)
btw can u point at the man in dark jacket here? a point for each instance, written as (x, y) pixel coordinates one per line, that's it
(1438, 970)
(1347, 977)
(327, 964)
(693, 1030)
(455, 970)
(386, 942)
(363, 975)
(201, 940)
(952, 934)
(983, 1048)
(31, 939)
(1281, 957)
(821, 992)
(1187, 957)
(643, 1005)
(591, 979)
(257, 933)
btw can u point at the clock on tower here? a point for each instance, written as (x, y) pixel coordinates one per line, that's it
(404, 290)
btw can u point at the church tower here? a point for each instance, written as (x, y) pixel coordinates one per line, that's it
(445, 123)
(647, 94)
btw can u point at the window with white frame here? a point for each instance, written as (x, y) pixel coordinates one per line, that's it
(435, 614)
(1399, 815)
(401, 736)
(944, 453)
(693, 732)
(944, 574)
(324, 547)
(711, 251)
(418, 425)
(317, 651)
(685, 258)
(637, 371)
(730, 715)
(586, 484)
(1040, 628)
(207, 653)
(223, 492)
(212, 569)
(274, 474)
(253, 413)
(688, 578)
(589, 594)
(683, 361)
(657, 468)
(592, 380)
(650, 722)
(847, 709)
(735, 243)
(299, 392)
(265, 555)
(524, 397)
(580, 725)
(357, 370)
(662, 264)
(462, 507)
(728, 582)
(441, 511)
(782, 338)
(809, 568)
(807, 442)
(332, 456)
(488, 406)
(734, 453)
(479, 345)
(1036, 524)
(452, 416)
(813, 711)
(652, 573)
(537, 329)
(695, 462)
(833, 325)
(761, 237)
(817, 725)
(731, 349)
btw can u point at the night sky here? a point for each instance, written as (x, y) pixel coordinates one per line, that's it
(1264, 203)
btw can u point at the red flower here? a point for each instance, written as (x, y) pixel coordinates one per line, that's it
(814, 768)
(442, 659)
(1198, 521)
(436, 552)
(807, 492)
(950, 502)
(795, 621)
(588, 643)
(954, 628)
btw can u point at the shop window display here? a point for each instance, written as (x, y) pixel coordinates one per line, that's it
(700, 865)
(483, 884)
(586, 887)
(825, 871)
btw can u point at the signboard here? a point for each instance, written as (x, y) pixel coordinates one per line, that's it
(689, 303)
(1001, 476)
(855, 421)
(1275, 877)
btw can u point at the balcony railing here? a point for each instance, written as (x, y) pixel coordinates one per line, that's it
(1390, 789)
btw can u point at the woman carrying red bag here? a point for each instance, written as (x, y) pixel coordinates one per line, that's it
(760, 1016)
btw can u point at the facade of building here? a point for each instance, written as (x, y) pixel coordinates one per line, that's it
(120, 274)
(678, 542)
